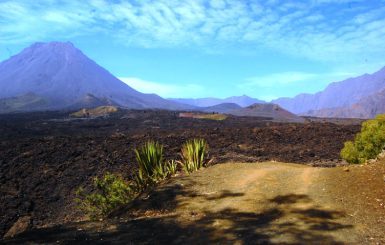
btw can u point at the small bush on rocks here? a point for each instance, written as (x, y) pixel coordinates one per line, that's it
(367, 144)
(111, 193)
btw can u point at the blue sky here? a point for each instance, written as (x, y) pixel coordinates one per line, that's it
(199, 48)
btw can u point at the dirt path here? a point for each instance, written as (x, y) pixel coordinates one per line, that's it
(242, 204)
(273, 202)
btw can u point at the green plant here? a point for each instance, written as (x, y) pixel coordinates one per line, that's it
(349, 152)
(368, 143)
(193, 155)
(111, 193)
(152, 168)
(172, 167)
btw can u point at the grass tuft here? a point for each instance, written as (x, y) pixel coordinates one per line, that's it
(193, 155)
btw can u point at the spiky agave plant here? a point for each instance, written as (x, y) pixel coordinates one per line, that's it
(150, 161)
(193, 155)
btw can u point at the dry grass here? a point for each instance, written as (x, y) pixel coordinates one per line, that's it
(217, 117)
(95, 112)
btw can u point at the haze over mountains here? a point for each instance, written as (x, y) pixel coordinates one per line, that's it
(359, 97)
(242, 101)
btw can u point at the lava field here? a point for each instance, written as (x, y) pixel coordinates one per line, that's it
(46, 156)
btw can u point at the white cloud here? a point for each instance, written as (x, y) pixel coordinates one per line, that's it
(164, 90)
(317, 30)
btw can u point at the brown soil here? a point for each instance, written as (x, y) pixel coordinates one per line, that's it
(246, 203)
(44, 157)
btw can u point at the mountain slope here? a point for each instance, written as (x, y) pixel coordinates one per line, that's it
(367, 107)
(63, 76)
(26, 102)
(268, 110)
(242, 101)
(336, 95)
(222, 108)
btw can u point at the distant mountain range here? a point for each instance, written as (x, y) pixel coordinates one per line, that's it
(361, 97)
(242, 101)
(56, 75)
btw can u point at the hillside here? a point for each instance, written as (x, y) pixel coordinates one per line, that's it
(337, 95)
(26, 102)
(271, 111)
(222, 108)
(63, 77)
(367, 107)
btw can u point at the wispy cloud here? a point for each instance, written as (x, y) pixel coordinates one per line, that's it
(328, 30)
(162, 89)
(275, 85)
(278, 79)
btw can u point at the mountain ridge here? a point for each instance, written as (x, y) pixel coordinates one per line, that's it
(365, 108)
(242, 101)
(62, 75)
(336, 95)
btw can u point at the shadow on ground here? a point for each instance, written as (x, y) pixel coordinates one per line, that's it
(286, 221)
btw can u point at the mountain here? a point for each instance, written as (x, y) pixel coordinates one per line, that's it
(342, 94)
(63, 77)
(242, 101)
(267, 110)
(365, 108)
(91, 101)
(222, 108)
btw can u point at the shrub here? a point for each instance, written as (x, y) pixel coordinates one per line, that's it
(111, 193)
(193, 155)
(368, 143)
(349, 152)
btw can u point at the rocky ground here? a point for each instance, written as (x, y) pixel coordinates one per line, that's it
(45, 157)
(244, 203)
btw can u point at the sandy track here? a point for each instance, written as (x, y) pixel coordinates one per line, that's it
(242, 204)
